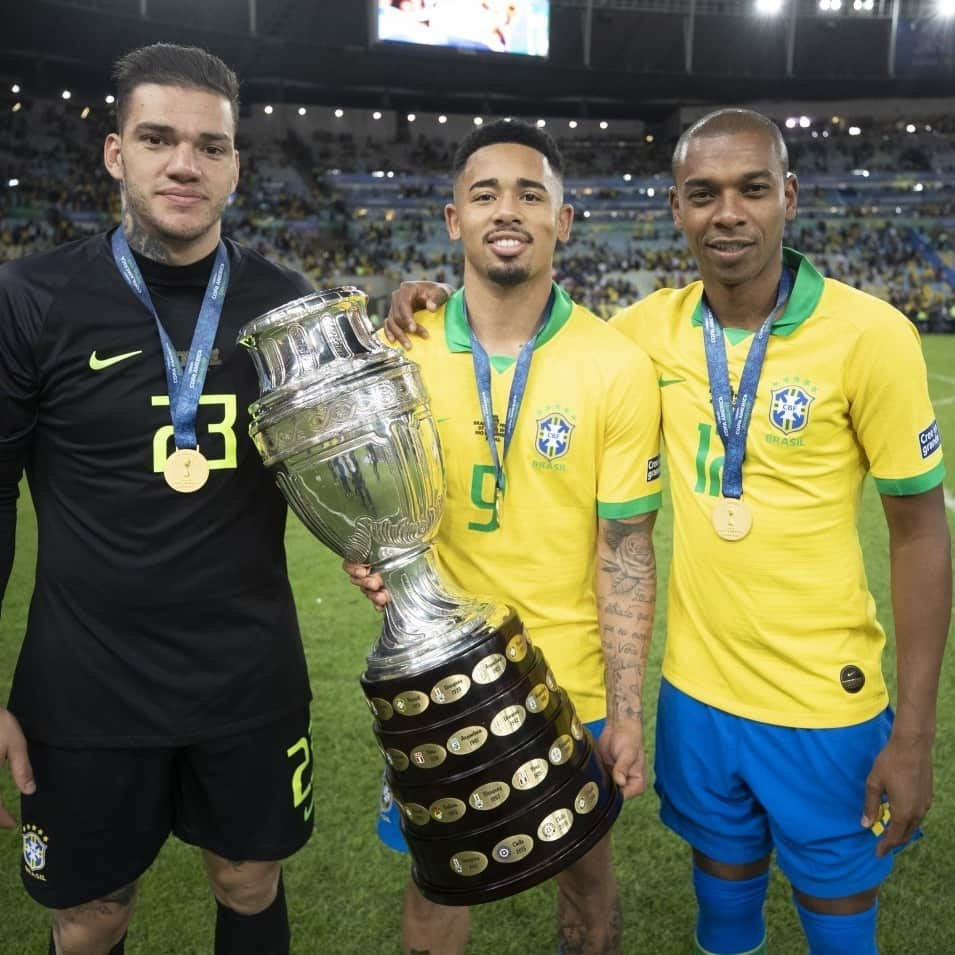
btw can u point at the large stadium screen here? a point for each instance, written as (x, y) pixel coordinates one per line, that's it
(496, 26)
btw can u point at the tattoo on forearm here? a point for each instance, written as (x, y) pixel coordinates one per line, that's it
(628, 570)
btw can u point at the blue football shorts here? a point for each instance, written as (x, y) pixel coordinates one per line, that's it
(735, 789)
(389, 818)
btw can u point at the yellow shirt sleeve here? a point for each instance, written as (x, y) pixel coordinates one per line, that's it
(889, 406)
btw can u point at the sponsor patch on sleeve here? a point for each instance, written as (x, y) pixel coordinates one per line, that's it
(930, 440)
(653, 468)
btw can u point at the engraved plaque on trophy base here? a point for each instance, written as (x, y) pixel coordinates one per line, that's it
(495, 778)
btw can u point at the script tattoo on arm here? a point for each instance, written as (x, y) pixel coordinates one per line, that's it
(626, 599)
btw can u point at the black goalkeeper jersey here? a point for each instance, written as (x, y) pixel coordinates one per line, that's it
(157, 617)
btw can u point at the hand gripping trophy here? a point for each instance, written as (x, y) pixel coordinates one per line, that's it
(498, 782)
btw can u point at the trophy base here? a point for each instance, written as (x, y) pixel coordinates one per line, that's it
(496, 780)
(530, 875)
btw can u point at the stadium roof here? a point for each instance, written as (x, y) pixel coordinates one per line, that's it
(608, 58)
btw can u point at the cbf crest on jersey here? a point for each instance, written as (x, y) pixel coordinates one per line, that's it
(789, 408)
(34, 850)
(553, 435)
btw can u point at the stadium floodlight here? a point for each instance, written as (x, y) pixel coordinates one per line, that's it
(649, 137)
(15, 88)
(627, 177)
(918, 187)
(17, 107)
(302, 111)
(541, 123)
(478, 121)
(651, 192)
(825, 134)
(911, 128)
(391, 174)
(412, 117)
(769, 8)
(791, 120)
(339, 113)
(13, 183)
(85, 112)
(946, 8)
(855, 131)
(268, 110)
(376, 114)
(573, 124)
(66, 94)
(110, 99)
(586, 213)
(804, 122)
(442, 119)
(604, 124)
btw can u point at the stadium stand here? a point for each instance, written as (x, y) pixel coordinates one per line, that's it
(877, 208)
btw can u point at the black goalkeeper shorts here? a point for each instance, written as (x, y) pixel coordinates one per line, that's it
(99, 817)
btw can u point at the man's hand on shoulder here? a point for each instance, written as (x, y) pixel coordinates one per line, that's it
(13, 750)
(408, 298)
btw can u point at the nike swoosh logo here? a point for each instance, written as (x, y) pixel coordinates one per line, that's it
(98, 364)
(663, 382)
(308, 810)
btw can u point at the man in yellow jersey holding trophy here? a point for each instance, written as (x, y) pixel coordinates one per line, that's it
(549, 429)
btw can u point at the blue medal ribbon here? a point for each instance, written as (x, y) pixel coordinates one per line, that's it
(185, 387)
(733, 417)
(482, 374)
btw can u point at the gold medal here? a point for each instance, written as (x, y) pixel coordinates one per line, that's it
(186, 470)
(732, 518)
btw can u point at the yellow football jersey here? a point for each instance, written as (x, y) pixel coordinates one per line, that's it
(780, 626)
(586, 444)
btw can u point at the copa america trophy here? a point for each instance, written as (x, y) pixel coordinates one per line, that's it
(496, 779)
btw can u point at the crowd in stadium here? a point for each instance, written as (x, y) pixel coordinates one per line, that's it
(877, 205)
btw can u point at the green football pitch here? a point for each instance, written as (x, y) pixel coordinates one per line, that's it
(345, 890)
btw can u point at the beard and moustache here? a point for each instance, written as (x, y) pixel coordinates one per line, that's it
(507, 276)
(138, 219)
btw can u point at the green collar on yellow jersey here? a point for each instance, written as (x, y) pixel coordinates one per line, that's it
(804, 298)
(458, 335)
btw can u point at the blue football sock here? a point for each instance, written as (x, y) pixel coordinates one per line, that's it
(730, 914)
(838, 934)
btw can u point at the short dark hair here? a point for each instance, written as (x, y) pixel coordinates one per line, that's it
(732, 120)
(168, 64)
(508, 131)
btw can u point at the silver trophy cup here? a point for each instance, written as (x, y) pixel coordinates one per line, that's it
(497, 781)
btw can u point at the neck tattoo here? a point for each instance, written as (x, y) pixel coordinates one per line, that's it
(141, 241)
